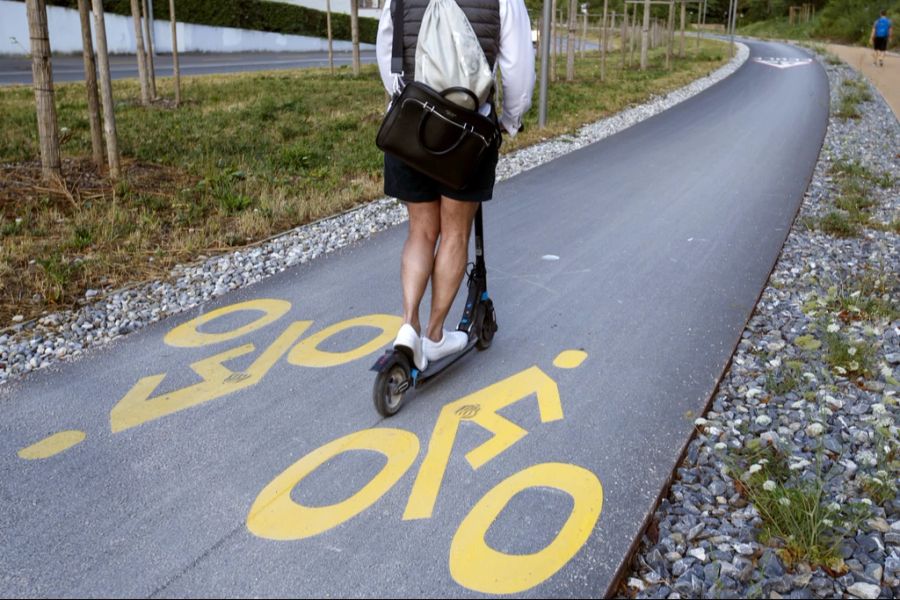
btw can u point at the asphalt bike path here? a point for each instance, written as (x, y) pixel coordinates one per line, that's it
(16, 70)
(235, 450)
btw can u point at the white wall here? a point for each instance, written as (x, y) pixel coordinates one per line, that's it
(65, 35)
(341, 6)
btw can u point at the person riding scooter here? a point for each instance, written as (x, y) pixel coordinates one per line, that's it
(440, 219)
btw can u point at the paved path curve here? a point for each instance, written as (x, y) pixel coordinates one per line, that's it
(17, 70)
(236, 452)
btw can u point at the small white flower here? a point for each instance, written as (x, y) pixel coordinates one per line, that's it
(755, 468)
(841, 370)
(866, 501)
(851, 351)
(815, 429)
(763, 461)
(827, 522)
(881, 474)
(834, 328)
(769, 485)
(855, 294)
(784, 501)
(834, 507)
(879, 409)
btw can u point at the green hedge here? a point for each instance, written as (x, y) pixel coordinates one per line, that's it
(258, 15)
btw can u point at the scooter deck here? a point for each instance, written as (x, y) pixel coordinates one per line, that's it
(420, 377)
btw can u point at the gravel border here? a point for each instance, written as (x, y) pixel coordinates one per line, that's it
(109, 315)
(788, 393)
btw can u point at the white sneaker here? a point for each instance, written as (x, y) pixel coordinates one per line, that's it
(451, 343)
(409, 339)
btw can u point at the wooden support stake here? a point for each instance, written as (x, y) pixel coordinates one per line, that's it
(175, 65)
(106, 98)
(151, 67)
(604, 39)
(90, 80)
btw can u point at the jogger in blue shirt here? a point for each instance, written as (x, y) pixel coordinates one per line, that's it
(882, 31)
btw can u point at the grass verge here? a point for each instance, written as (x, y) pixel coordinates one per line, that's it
(247, 156)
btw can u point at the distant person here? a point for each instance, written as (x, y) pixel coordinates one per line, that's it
(882, 32)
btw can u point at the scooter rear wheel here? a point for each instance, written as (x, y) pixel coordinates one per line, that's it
(391, 385)
(487, 326)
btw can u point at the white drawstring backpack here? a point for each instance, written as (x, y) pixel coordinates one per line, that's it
(448, 54)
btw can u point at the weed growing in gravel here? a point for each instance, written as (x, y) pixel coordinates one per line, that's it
(796, 512)
(848, 358)
(785, 380)
(881, 487)
(844, 168)
(837, 223)
(856, 92)
(873, 295)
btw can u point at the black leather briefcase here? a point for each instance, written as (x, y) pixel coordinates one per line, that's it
(435, 136)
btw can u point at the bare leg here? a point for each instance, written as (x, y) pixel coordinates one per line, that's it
(417, 262)
(450, 262)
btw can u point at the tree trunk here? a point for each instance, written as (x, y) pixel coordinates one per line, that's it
(624, 36)
(330, 38)
(42, 72)
(683, 25)
(175, 66)
(90, 79)
(139, 49)
(354, 33)
(645, 35)
(106, 98)
(570, 42)
(151, 68)
(604, 39)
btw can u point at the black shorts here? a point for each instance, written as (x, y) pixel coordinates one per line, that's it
(409, 185)
(881, 44)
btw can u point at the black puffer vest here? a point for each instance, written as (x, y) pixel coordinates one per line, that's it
(484, 15)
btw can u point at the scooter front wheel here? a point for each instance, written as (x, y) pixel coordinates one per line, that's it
(391, 385)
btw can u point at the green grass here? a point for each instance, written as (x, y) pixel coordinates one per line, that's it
(246, 156)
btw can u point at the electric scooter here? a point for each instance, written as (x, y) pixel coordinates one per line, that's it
(397, 372)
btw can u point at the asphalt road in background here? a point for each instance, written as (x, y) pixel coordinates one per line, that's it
(17, 70)
(644, 253)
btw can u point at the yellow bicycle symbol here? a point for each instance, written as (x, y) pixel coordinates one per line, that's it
(473, 563)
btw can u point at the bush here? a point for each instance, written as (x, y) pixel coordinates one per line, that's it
(258, 15)
(851, 20)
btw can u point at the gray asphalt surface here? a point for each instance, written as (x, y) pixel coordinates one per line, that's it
(665, 233)
(17, 70)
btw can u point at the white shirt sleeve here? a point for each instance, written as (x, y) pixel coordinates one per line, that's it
(516, 63)
(384, 44)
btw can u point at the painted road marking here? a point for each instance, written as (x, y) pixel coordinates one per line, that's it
(472, 562)
(52, 445)
(477, 566)
(139, 406)
(275, 515)
(782, 62)
(570, 359)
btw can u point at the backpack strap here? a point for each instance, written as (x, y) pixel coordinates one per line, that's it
(397, 50)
